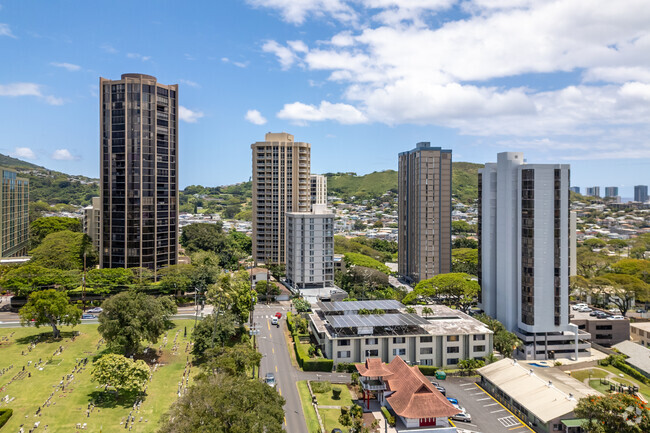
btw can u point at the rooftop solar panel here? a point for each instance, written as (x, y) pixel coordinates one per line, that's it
(388, 304)
(356, 320)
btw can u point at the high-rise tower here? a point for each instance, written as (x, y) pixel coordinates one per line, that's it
(281, 184)
(139, 172)
(424, 212)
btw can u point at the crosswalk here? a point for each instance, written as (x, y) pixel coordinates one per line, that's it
(509, 421)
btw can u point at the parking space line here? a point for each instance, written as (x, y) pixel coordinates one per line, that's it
(481, 399)
(522, 423)
(478, 393)
(515, 428)
(467, 384)
(499, 410)
(491, 404)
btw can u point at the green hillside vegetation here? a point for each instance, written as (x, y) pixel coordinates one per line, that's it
(367, 186)
(356, 259)
(343, 245)
(464, 183)
(231, 201)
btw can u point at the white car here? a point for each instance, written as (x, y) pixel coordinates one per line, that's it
(274, 321)
(585, 310)
(269, 379)
(579, 306)
(463, 416)
(618, 317)
(95, 310)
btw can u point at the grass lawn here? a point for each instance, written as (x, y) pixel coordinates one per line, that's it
(594, 373)
(68, 406)
(326, 399)
(629, 380)
(595, 384)
(307, 408)
(330, 419)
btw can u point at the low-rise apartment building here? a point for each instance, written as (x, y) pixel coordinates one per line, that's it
(345, 334)
(640, 333)
(602, 331)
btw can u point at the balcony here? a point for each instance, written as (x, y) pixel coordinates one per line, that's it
(372, 384)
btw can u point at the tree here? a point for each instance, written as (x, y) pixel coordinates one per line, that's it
(301, 305)
(358, 225)
(470, 365)
(121, 373)
(579, 285)
(617, 244)
(620, 289)
(64, 250)
(458, 227)
(27, 278)
(131, 317)
(464, 243)
(615, 413)
(455, 289)
(594, 243)
(464, 260)
(214, 330)
(233, 292)
(224, 403)
(202, 236)
(176, 278)
(44, 226)
(266, 288)
(426, 311)
(506, 342)
(243, 242)
(104, 280)
(637, 267)
(590, 264)
(49, 307)
(235, 361)
(357, 259)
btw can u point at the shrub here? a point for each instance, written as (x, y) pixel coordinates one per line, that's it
(5, 414)
(390, 418)
(290, 322)
(354, 378)
(318, 364)
(345, 367)
(625, 368)
(336, 394)
(321, 387)
(427, 370)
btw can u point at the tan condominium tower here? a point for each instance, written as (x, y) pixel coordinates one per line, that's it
(281, 184)
(139, 172)
(424, 212)
(14, 211)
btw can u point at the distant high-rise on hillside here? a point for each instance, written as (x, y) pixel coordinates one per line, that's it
(641, 193)
(611, 191)
(14, 212)
(424, 212)
(139, 172)
(592, 191)
(281, 184)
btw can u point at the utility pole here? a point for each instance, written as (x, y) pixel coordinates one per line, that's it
(83, 285)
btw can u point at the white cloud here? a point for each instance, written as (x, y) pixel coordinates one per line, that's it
(400, 67)
(190, 83)
(109, 49)
(28, 89)
(138, 56)
(6, 31)
(24, 153)
(255, 117)
(342, 113)
(63, 155)
(296, 11)
(285, 56)
(189, 116)
(238, 64)
(69, 66)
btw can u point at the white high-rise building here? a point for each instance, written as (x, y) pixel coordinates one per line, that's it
(310, 248)
(524, 248)
(318, 189)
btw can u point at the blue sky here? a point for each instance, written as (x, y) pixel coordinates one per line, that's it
(361, 80)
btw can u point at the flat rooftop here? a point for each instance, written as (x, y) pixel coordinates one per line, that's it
(375, 320)
(343, 306)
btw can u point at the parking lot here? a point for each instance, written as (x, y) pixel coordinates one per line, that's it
(488, 416)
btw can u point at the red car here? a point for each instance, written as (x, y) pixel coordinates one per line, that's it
(278, 315)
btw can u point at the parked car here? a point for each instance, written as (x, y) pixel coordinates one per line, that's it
(616, 317)
(88, 316)
(614, 310)
(640, 310)
(274, 321)
(579, 306)
(442, 390)
(269, 379)
(452, 400)
(95, 310)
(602, 315)
(585, 310)
(594, 313)
(463, 416)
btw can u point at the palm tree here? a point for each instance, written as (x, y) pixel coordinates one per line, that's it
(426, 311)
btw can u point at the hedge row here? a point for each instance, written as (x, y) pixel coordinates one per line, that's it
(625, 368)
(290, 322)
(390, 418)
(428, 370)
(307, 363)
(346, 367)
(5, 414)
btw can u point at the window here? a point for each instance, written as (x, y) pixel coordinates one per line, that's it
(603, 327)
(372, 352)
(479, 348)
(426, 362)
(343, 354)
(426, 350)
(372, 341)
(479, 337)
(400, 352)
(428, 339)
(399, 340)
(557, 427)
(604, 336)
(453, 350)
(344, 342)
(452, 361)
(452, 337)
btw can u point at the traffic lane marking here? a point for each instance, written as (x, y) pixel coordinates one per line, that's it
(522, 423)
(515, 428)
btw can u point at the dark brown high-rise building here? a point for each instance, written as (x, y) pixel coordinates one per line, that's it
(139, 172)
(424, 212)
(281, 184)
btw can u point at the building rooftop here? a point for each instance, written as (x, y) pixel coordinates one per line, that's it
(444, 321)
(547, 393)
(358, 305)
(639, 356)
(644, 326)
(375, 320)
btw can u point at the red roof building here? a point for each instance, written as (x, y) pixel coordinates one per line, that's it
(408, 393)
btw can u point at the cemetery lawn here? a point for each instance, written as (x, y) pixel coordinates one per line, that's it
(69, 406)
